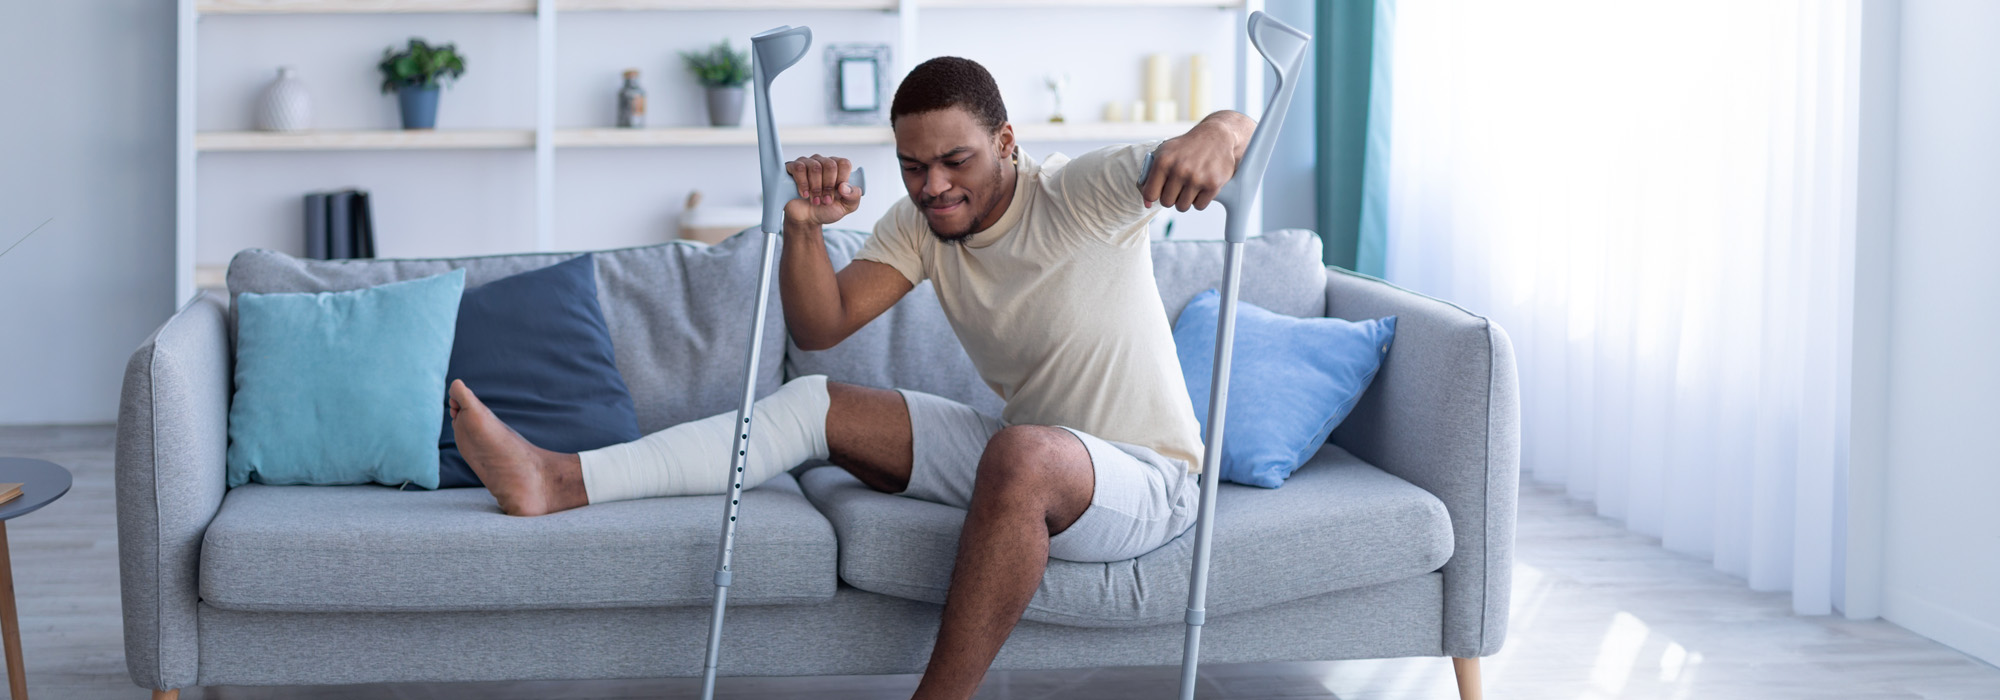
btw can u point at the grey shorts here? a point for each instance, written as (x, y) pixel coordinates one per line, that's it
(1142, 499)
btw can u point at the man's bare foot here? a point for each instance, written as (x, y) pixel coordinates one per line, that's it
(525, 479)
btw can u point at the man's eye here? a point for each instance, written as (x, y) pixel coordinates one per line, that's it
(911, 169)
(955, 163)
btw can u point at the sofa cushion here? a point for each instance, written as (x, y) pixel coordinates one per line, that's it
(1339, 523)
(677, 312)
(912, 346)
(1293, 379)
(1282, 271)
(342, 387)
(371, 549)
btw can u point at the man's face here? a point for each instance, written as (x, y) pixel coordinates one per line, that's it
(954, 169)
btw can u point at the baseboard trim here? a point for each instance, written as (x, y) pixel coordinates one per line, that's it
(1976, 638)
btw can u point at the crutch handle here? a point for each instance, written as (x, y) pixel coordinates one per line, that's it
(1284, 47)
(771, 53)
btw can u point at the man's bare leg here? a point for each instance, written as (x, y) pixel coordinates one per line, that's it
(1033, 483)
(868, 433)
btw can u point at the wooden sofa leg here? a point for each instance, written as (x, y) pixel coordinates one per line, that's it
(1468, 677)
(174, 694)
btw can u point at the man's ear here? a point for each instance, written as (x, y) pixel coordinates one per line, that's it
(1003, 140)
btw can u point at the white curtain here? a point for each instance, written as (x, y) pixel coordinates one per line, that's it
(1653, 199)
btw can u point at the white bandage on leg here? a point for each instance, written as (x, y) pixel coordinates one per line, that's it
(691, 459)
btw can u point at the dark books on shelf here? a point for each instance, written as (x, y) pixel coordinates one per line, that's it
(339, 225)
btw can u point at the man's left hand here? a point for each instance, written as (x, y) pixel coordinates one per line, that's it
(1190, 169)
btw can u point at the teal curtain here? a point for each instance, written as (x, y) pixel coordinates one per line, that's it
(1351, 103)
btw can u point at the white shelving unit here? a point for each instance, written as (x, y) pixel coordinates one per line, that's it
(544, 139)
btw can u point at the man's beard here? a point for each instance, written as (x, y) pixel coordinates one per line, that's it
(960, 237)
(955, 236)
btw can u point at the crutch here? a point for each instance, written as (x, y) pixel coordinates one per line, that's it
(771, 53)
(1285, 49)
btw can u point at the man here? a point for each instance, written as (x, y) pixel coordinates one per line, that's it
(1045, 272)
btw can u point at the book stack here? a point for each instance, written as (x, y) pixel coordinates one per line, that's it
(339, 225)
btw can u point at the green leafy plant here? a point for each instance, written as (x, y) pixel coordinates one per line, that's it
(719, 66)
(420, 65)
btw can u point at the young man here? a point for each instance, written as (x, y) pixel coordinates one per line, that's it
(1045, 272)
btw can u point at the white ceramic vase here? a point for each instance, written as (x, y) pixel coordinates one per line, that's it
(285, 106)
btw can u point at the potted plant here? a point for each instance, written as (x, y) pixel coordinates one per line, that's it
(415, 74)
(723, 71)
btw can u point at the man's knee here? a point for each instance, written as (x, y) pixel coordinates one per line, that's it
(1033, 457)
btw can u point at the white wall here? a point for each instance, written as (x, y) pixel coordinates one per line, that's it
(86, 139)
(1941, 538)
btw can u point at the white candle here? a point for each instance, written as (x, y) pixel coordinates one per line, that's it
(1197, 87)
(1159, 78)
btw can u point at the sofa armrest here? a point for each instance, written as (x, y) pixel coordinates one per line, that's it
(173, 439)
(1444, 414)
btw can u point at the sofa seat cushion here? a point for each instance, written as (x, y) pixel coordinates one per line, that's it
(375, 549)
(1339, 523)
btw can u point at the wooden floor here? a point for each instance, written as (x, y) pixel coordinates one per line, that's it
(1598, 613)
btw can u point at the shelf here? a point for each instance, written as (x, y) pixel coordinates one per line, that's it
(848, 135)
(604, 5)
(1037, 132)
(722, 136)
(385, 140)
(324, 7)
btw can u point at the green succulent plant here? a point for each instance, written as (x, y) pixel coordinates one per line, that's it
(719, 66)
(420, 65)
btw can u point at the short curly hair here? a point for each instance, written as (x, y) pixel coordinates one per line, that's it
(950, 81)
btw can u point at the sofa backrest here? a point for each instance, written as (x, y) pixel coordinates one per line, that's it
(677, 312)
(913, 347)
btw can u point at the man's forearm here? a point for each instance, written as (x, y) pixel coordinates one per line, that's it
(806, 283)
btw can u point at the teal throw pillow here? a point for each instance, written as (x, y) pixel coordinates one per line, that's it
(1291, 382)
(342, 387)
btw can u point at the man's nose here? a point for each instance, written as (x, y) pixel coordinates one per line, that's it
(935, 182)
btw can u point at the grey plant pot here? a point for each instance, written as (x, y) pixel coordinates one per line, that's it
(725, 106)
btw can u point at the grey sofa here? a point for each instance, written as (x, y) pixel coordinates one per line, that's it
(1394, 541)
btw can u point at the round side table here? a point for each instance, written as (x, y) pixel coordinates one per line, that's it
(41, 484)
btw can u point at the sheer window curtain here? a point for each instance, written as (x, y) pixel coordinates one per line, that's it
(1653, 198)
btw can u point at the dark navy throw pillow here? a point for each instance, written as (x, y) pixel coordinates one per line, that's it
(534, 347)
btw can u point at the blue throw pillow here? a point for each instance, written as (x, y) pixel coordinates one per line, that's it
(342, 387)
(534, 347)
(1291, 381)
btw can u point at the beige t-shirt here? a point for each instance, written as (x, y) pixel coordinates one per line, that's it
(1056, 303)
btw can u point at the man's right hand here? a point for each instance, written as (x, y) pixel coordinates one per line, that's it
(825, 193)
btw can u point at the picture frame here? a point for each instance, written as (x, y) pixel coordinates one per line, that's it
(857, 84)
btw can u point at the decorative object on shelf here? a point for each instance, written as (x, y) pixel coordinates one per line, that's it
(711, 224)
(722, 71)
(1114, 111)
(285, 105)
(1138, 113)
(631, 102)
(1158, 90)
(339, 225)
(856, 94)
(1056, 82)
(1198, 105)
(415, 75)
